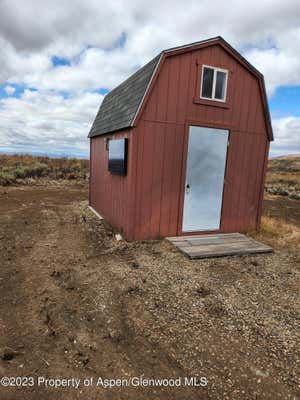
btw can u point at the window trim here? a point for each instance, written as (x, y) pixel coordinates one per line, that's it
(215, 69)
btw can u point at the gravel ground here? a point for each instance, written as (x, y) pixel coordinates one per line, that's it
(235, 320)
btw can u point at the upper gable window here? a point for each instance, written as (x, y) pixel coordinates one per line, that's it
(213, 83)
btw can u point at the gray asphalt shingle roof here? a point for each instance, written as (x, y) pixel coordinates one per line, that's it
(119, 106)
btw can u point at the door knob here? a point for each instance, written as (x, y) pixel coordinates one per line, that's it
(187, 189)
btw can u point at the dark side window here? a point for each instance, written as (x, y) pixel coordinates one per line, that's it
(117, 156)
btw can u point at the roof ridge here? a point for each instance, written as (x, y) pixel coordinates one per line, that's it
(193, 44)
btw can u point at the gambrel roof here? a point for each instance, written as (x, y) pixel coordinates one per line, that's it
(121, 106)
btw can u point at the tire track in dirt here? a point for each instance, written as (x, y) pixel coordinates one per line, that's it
(55, 325)
(81, 304)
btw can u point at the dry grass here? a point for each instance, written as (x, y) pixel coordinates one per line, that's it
(287, 178)
(25, 169)
(283, 177)
(278, 234)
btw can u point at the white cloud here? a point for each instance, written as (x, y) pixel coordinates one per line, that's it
(30, 35)
(14, 64)
(9, 90)
(47, 122)
(38, 24)
(287, 136)
(87, 33)
(95, 68)
(279, 67)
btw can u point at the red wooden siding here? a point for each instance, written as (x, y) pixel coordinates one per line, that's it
(110, 195)
(162, 136)
(148, 202)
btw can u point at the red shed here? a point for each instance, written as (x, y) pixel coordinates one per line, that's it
(181, 146)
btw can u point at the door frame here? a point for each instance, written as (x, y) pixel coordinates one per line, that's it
(187, 125)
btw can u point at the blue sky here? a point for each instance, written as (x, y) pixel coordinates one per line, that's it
(58, 61)
(285, 102)
(16, 90)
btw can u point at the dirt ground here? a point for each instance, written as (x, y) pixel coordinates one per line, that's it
(77, 303)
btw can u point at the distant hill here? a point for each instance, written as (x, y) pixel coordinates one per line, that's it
(286, 157)
(283, 176)
(289, 163)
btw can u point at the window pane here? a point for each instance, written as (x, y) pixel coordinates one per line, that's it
(207, 82)
(220, 85)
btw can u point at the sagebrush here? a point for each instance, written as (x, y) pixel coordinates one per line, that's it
(17, 168)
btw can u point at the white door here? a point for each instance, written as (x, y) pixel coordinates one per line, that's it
(205, 170)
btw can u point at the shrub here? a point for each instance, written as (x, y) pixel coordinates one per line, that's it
(19, 167)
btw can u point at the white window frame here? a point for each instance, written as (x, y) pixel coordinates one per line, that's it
(214, 83)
